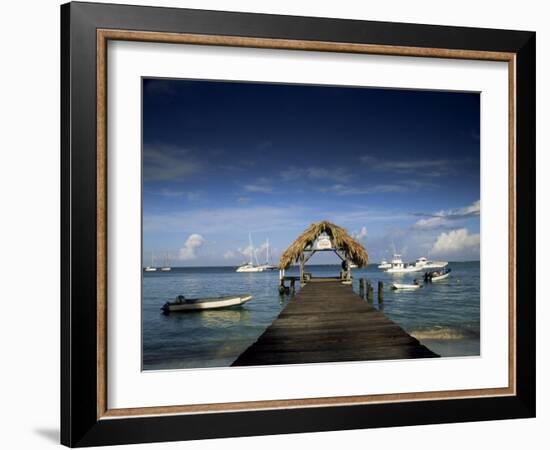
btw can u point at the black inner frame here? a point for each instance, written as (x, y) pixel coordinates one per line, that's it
(79, 424)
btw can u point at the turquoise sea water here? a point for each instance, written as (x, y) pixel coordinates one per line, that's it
(443, 315)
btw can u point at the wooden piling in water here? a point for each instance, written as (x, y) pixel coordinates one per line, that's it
(369, 291)
(380, 292)
(362, 288)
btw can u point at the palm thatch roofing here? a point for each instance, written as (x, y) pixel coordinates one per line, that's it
(339, 237)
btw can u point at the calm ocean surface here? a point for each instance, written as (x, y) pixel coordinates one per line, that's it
(443, 315)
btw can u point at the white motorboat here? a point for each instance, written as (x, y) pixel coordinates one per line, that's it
(197, 304)
(250, 266)
(384, 265)
(401, 286)
(437, 275)
(398, 266)
(424, 263)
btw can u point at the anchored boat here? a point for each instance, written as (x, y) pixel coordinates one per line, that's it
(195, 304)
(398, 266)
(424, 263)
(268, 265)
(413, 286)
(151, 267)
(250, 266)
(166, 267)
(437, 275)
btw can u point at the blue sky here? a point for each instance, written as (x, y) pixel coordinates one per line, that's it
(222, 159)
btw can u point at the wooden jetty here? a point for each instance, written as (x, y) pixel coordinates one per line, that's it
(327, 322)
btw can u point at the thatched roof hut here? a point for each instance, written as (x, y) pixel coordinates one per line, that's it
(342, 244)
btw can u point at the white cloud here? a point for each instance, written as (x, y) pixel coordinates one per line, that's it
(361, 234)
(404, 186)
(192, 244)
(342, 189)
(258, 188)
(473, 209)
(316, 173)
(226, 219)
(262, 185)
(430, 222)
(170, 193)
(229, 254)
(247, 252)
(166, 162)
(431, 167)
(444, 217)
(252, 253)
(457, 243)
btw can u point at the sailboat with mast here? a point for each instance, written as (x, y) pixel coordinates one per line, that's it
(166, 267)
(250, 266)
(151, 267)
(268, 264)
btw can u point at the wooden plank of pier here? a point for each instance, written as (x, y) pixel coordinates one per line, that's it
(328, 322)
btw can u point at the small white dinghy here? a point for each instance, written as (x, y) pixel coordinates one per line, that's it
(397, 286)
(196, 304)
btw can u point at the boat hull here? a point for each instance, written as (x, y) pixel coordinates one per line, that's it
(206, 303)
(441, 277)
(250, 269)
(405, 270)
(410, 287)
(435, 265)
(437, 276)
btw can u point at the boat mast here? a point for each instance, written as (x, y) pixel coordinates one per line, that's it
(252, 252)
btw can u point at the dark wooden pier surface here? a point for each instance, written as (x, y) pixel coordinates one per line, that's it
(327, 322)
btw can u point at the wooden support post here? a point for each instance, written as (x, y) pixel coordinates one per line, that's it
(292, 286)
(302, 262)
(362, 288)
(281, 281)
(369, 291)
(380, 292)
